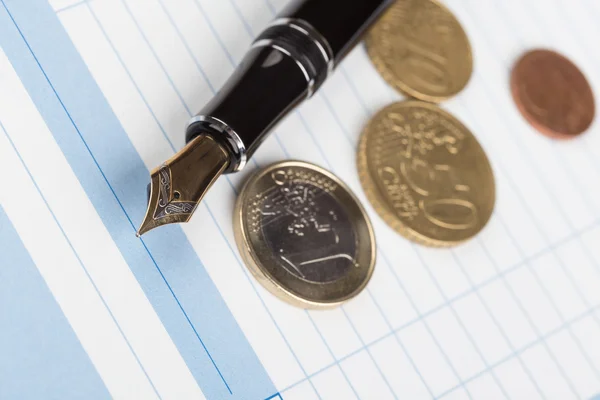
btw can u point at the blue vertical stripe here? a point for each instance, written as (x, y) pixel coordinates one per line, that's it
(115, 178)
(40, 355)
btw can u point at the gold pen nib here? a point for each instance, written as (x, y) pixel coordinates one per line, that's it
(178, 185)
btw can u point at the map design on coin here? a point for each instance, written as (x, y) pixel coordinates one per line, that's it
(426, 174)
(421, 49)
(304, 235)
(304, 226)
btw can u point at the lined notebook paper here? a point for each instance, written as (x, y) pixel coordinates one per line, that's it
(95, 93)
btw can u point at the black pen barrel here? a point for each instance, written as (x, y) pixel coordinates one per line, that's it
(262, 90)
(341, 22)
(287, 63)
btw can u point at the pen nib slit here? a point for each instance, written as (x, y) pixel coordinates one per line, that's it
(178, 185)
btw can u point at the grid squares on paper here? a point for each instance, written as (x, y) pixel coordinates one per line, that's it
(533, 298)
(520, 227)
(509, 314)
(417, 282)
(297, 326)
(569, 302)
(368, 321)
(428, 358)
(516, 381)
(505, 315)
(445, 272)
(486, 387)
(455, 343)
(366, 377)
(399, 312)
(337, 332)
(585, 276)
(399, 369)
(587, 332)
(547, 374)
(331, 384)
(302, 391)
(566, 351)
(483, 328)
(458, 394)
(476, 263)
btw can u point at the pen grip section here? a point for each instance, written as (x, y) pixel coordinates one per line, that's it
(287, 63)
(263, 89)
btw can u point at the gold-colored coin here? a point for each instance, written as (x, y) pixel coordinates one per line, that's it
(421, 49)
(304, 235)
(426, 174)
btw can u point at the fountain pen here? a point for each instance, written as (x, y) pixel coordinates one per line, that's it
(285, 65)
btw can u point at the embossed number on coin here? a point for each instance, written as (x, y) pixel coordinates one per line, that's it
(420, 48)
(304, 235)
(426, 174)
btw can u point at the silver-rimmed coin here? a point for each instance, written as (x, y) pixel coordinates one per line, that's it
(304, 235)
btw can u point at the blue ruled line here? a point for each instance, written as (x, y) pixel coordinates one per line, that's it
(550, 249)
(74, 5)
(117, 199)
(164, 71)
(475, 289)
(547, 241)
(87, 274)
(137, 88)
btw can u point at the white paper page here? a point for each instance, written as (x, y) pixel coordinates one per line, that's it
(95, 93)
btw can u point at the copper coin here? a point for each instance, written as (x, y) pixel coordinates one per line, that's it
(553, 94)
